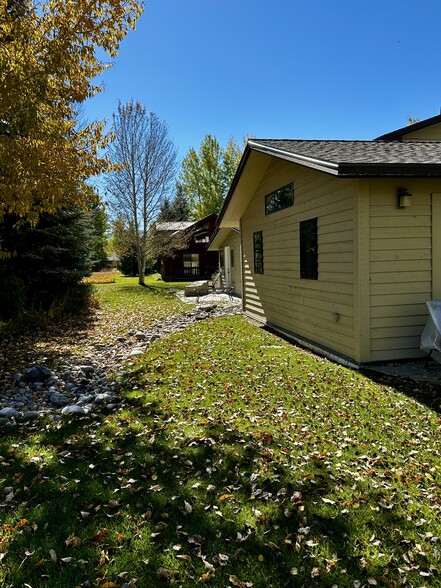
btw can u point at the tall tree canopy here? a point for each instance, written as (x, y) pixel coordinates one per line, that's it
(146, 160)
(51, 52)
(206, 175)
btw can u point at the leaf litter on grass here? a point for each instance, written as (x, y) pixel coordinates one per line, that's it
(364, 459)
(236, 460)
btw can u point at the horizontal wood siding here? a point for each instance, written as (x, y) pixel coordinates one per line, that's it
(400, 267)
(307, 308)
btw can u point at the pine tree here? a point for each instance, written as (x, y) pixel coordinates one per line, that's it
(46, 261)
(176, 209)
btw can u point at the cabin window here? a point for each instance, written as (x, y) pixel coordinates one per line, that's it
(191, 264)
(280, 199)
(201, 235)
(308, 249)
(232, 257)
(258, 252)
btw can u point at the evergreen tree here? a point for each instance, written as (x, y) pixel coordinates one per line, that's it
(165, 214)
(176, 209)
(46, 261)
(99, 240)
(180, 205)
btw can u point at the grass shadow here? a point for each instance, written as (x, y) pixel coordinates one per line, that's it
(42, 344)
(110, 498)
(425, 392)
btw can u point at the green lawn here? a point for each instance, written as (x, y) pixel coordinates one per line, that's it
(235, 460)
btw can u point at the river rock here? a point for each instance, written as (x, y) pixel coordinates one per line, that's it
(58, 399)
(9, 413)
(73, 409)
(36, 373)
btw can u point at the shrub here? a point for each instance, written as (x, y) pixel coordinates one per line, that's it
(12, 296)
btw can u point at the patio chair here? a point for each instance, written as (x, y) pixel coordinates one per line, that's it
(431, 336)
(218, 285)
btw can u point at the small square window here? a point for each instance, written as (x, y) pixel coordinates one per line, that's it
(258, 252)
(280, 199)
(308, 249)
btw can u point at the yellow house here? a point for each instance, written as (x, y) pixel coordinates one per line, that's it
(340, 241)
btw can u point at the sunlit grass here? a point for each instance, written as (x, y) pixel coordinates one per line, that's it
(103, 277)
(126, 294)
(234, 459)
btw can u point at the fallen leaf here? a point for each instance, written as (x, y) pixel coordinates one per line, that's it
(205, 577)
(188, 508)
(315, 572)
(239, 583)
(328, 500)
(166, 574)
(73, 541)
(294, 571)
(225, 497)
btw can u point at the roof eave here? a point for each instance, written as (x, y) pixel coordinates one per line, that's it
(329, 167)
(389, 170)
(398, 134)
(240, 167)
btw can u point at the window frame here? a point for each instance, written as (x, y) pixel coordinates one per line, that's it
(308, 233)
(272, 197)
(190, 260)
(258, 252)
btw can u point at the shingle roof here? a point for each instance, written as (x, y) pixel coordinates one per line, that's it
(174, 226)
(358, 158)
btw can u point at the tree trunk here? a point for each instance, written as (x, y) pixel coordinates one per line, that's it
(141, 270)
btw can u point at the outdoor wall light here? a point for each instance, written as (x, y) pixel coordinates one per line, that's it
(404, 198)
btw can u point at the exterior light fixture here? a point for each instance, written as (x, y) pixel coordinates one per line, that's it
(404, 198)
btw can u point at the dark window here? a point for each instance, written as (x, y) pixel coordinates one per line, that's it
(191, 264)
(232, 257)
(280, 199)
(308, 249)
(258, 252)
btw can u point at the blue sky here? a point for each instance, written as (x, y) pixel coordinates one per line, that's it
(316, 69)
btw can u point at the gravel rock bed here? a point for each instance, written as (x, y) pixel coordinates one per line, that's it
(83, 382)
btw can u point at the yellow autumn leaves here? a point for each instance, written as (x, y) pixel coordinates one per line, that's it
(51, 53)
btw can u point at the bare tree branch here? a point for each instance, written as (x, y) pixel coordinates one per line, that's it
(146, 159)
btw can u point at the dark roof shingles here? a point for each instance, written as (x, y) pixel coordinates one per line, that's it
(356, 156)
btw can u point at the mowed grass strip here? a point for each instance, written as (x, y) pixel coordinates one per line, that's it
(235, 460)
(121, 294)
